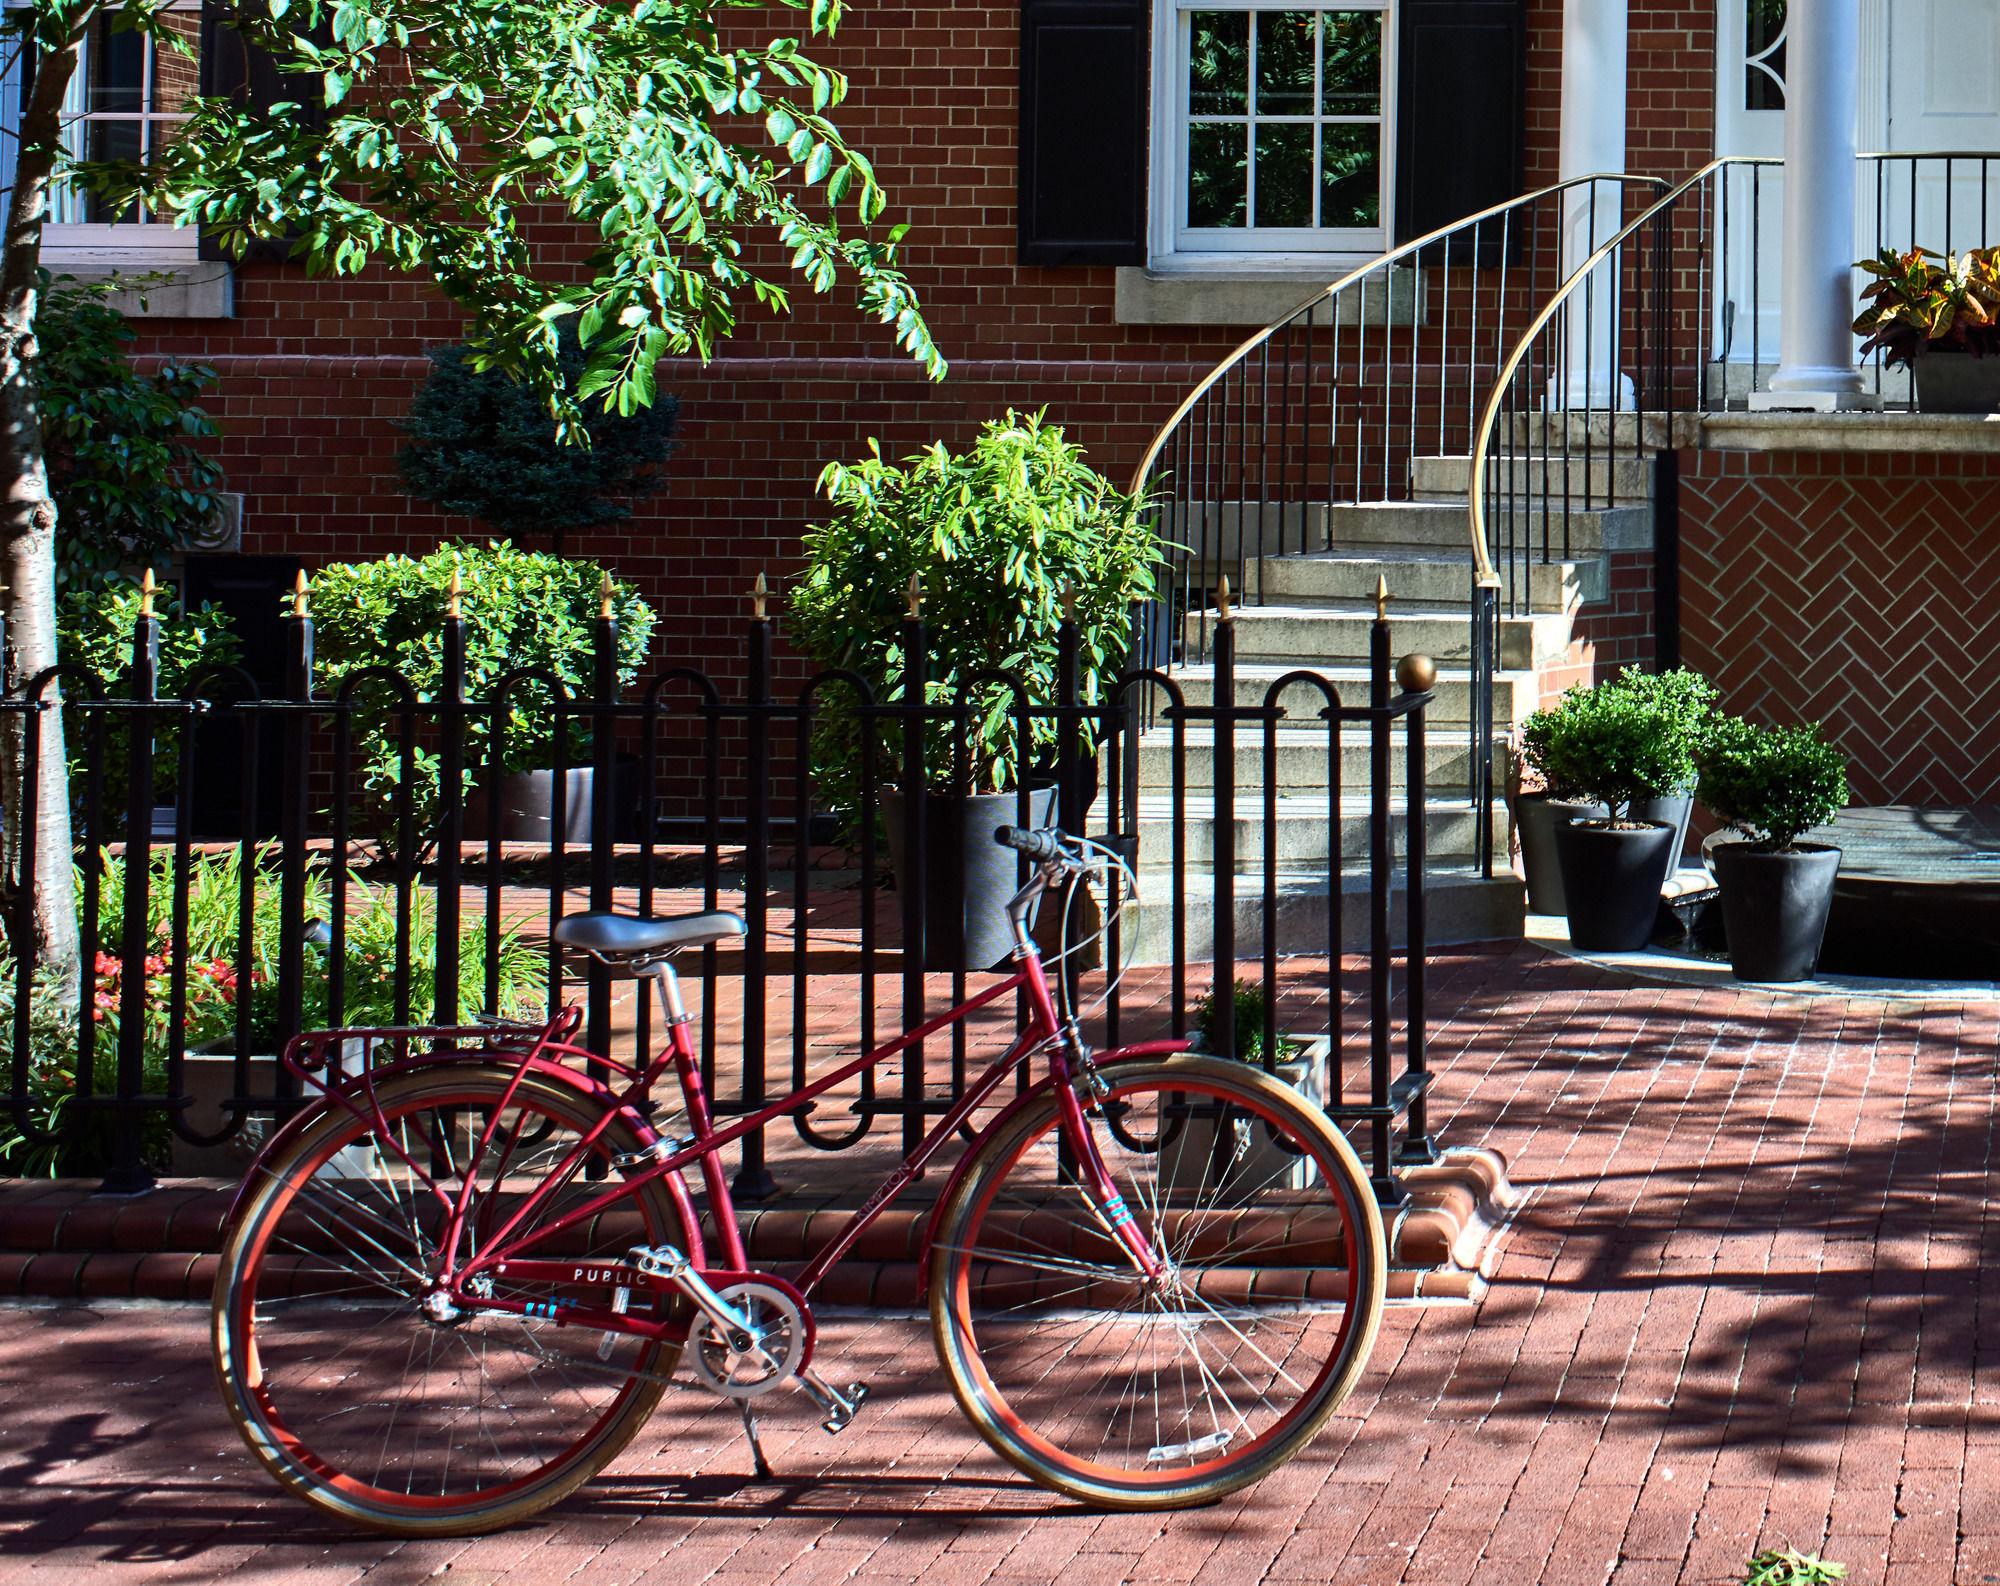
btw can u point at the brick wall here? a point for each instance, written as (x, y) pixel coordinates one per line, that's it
(1608, 635)
(1859, 591)
(316, 373)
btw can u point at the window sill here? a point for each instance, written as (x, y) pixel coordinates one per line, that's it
(195, 288)
(1240, 292)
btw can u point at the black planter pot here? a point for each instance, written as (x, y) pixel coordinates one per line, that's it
(1611, 878)
(1536, 817)
(967, 877)
(1956, 382)
(1676, 812)
(1774, 907)
(526, 805)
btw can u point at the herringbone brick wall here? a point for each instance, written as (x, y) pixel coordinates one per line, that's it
(1859, 591)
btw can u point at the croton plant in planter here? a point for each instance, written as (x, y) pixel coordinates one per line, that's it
(1773, 785)
(1680, 705)
(998, 541)
(1940, 317)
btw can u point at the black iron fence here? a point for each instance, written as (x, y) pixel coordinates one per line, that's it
(393, 890)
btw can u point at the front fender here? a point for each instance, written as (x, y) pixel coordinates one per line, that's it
(1007, 1114)
(289, 1131)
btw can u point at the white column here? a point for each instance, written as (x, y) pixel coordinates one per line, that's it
(1822, 91)
(1592, 140)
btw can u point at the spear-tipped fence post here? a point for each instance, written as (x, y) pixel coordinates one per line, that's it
(128, 1173)
(1223, 659)
(911, 869)
(293, 817)
(753, 1178)
(1380, 859)
(451, 795)
(603, 804)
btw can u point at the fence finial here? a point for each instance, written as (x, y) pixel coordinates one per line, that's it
(760, 595)
(300, 604)
(453, 606)
(1381, 598)
(1222, 611)
(1069, 600)
(146, 591)
(606, 608)
(915, 596)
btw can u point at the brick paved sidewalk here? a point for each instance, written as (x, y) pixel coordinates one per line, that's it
(1741, 1308)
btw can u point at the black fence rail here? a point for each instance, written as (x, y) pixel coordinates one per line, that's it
(387, 890)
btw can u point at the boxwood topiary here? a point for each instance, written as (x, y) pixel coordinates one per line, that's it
(1772, 783)
(1680, 705)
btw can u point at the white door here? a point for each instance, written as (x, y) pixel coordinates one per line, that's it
(1750, 120)
(1944, 98)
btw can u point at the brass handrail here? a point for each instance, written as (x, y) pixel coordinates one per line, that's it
(1382, 261)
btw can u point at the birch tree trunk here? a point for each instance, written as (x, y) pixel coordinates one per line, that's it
(28, 525)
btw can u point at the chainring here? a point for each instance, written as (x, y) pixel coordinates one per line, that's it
(781, 1328)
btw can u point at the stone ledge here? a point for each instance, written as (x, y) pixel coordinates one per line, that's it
(1928, 434)
(1251, 298)
(204, 290)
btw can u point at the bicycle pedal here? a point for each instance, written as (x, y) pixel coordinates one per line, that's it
(838, 1408)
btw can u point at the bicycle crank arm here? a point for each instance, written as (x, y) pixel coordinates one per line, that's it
(837, 1408)
(664, 1261)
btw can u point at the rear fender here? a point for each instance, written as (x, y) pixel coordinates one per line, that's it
(1007, 1114)
(351, 1093)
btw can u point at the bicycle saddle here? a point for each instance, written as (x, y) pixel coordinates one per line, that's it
(611, 935)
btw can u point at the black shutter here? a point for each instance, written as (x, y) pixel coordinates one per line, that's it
(1461, 110)
(1083, 131)
(234, 68)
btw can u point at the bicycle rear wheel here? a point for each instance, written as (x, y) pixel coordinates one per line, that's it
(1155, 1394)
(344, 1389)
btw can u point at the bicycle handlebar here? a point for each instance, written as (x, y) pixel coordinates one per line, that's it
(1047, 846)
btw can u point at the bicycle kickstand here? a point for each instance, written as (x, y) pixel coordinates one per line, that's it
(763, 1465)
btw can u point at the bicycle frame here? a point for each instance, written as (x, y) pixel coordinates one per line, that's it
(502, 1251)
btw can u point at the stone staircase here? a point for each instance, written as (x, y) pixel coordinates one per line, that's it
(1314, 612)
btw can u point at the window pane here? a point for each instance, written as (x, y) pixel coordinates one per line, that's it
(1219, 63)
(1352, 81)
(1350, 191)
(1764, 54)
(1285, 63)
(117, 70)
(1284, 175)
(1218, 175)
(109, 140)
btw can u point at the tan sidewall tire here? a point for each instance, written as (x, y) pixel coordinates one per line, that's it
(609, 1442)
(1373, 1288)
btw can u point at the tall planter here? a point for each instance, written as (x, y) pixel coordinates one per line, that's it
(524, 804)
(1612, 877)
(967, 877)
(1775, 906)
(1536, 817)
(1676, 811)
(1956, 382)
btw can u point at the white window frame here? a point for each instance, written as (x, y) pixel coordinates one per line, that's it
(140, 244)
(1173, 245)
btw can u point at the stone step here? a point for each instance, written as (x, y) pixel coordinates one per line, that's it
(1303, 834)
(1444, 527)
(1341, 633)
(1303, 760)
(1416, 577)
(1514, 693)
(1654, 431)
(1599, 481)
(1460, 906)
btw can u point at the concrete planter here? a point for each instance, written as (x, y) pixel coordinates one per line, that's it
(1246, 1161)
(209, 1079)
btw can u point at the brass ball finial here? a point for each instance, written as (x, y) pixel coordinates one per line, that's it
(1222, 611)
(1381, 598)
(146, 591)
(606, 591)
(914, 595)
(760, 595)
(301, 603)
(1416, 673)
(454, 591)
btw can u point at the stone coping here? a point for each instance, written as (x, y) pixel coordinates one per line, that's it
(1929, 434)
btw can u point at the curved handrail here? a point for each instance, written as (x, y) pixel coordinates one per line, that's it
(1208, 381)
(1485, 574)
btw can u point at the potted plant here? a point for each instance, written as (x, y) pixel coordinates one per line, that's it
(1215, 1154)
(1941, 320)
(1681, 706)
(1001, 540)
(521, 609)
(1773, 785)
(1608, 745)
(484, 443)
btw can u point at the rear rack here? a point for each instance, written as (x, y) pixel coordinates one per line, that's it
(313, 1051)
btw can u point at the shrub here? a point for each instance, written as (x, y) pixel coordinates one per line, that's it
(522, 609)
(94, 629)
(126, 468)
(1916, 306)
(1628, 739)
(1773, 783)
(1249, 1010)
(485, 445)
(995, 536)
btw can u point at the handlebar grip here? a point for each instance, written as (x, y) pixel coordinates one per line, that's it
(1043, 845)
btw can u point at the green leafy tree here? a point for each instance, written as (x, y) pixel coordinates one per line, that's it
(485, 445)
(683, 158)
(1773, 784)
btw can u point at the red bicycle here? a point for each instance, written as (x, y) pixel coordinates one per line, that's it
(457, 1284)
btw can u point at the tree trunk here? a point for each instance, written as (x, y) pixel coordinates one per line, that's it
(28, 527)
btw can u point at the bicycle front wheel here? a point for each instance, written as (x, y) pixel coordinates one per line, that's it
(372, 1409)
(1162, 1392)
